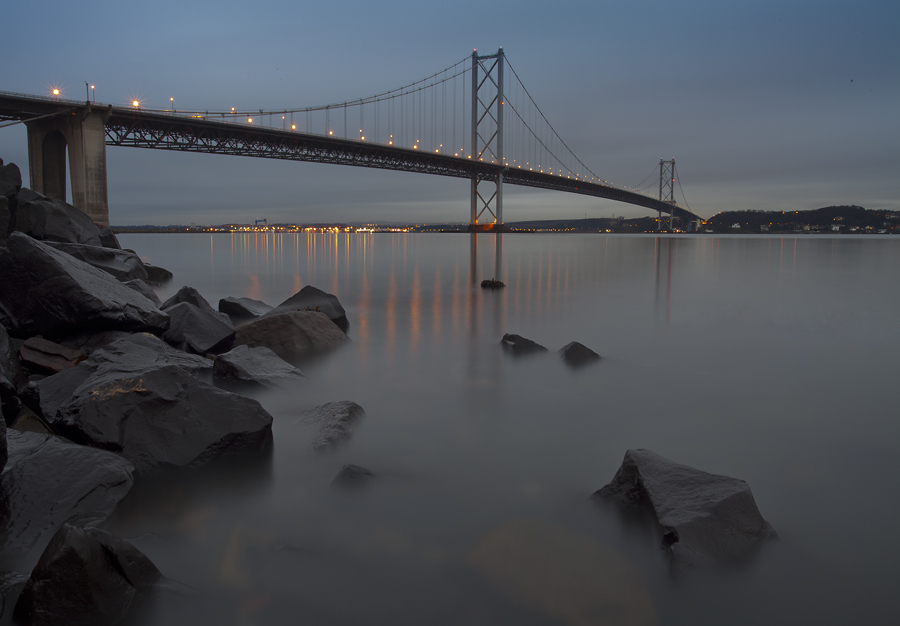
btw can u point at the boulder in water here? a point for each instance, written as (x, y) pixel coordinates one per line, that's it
(312, 299)
(292, 335)
(335, 421)
(578, 355)
(520, 346)
(244, 366)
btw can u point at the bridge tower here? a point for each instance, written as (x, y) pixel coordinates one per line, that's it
(666, 190)
(487, 136)
(84, 134)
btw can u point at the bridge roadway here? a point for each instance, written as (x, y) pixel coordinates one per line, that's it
(183, 132)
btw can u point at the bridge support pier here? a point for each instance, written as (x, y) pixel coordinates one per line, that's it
(84, 134)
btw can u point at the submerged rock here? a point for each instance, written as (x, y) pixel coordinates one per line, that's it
(292, 335)
(352, 476)
(84, 577)
(312, 299)
(705, 518)
(47, 292)
(49, 481)
(577, 355)
(520, 346)
(254, 367)
(335, 421)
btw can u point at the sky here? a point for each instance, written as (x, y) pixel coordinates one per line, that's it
(770, 105)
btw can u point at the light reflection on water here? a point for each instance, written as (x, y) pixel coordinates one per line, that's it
(769, 359)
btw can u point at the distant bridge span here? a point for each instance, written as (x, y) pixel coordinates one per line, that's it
(87, 128)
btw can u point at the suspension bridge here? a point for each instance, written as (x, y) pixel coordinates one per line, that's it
(474, 119)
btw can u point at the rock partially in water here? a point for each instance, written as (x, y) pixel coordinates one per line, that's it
(352, 477)
(43, 217)
(335, 421)
(705, 518)
(243, 309)
(244, 366)
(520, 346)
(159, 417)
(47, 292)
(49, 481)
(121, 264)
(42, 355)
(312, 299)
(157, 275)
(578, 355)
(197, 330)
(84, 577)
(292, 335)
(192, 296)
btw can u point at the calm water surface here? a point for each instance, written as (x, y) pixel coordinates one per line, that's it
(770, 359)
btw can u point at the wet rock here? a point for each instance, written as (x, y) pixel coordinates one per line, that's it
(90, 341)
(121, 264)
(49, 481)
(29, 422)
(5, 219)
(140, 351)
(312, 299)
(335, 421)
(11, 377)
(197, 330)
(578, 355)
(244, 366)
(243, 309)
(292, 335)
(143, 288)
(192, 296)
(46, 356)
(43, 217)
(520, 346)
(10, 180)
(352, 476)
(157, 275)
(11, 585)
(108, 239)
(159, 417)
(47, 292)
(84, 577)
(705, 518)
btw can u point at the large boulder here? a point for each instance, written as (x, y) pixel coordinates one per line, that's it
(292, 335)
(157, 275)
(47, 292)
(43, 217)
(108, 239)
(122, 264)
(197, 330)
(143, 288)
(705, 518)
(192, 296)
(137, 352)
(11, 378)
(334, 423)
(520, 346)
(312, 299)
(159, 417)
(49, 481)
(244, 366)
(10, 180)
(243, 309)
(5, 219)
(84, 577)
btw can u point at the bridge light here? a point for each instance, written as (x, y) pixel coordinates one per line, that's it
(136, 103)
(56, 92)
(249, 120)
(330, 132)
(293, 127)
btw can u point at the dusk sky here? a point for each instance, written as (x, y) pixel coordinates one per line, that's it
(768, 105)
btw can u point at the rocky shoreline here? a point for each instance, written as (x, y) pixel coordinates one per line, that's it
(104, 386)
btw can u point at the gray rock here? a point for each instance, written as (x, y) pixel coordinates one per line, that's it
(44, 356)
(43, 217)
(11, 585)
(84, 577)
(243, 309)
(108, 238)
(142, 350)
(197, 330)
(335, 421)
(11, 377)
(49, 481)
(520, 346)
(244, 366)
(10, 180)
(159, 417)
(352, 477)
(121, 264)
(5, 219)
(143, 288)
(578, 355)
(157, 275)
(292, 335)
(47, 292)
(705, 518)
(312, 299)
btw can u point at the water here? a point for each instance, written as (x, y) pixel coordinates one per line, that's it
(770, 359)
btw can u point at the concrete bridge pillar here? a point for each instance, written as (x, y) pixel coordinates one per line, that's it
(84, 134)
